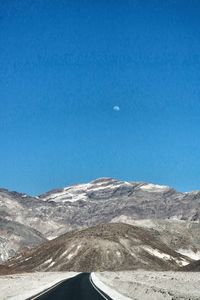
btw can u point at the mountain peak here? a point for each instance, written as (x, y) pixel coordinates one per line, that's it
(103, 179)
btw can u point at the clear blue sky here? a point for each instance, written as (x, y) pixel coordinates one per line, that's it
(64, 65)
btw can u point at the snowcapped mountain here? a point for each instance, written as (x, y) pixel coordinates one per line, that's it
(103, 188)
(103, 199)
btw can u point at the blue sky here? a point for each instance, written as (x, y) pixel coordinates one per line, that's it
(64, 65)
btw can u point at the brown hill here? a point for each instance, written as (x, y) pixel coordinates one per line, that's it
(5, 270)
(111, 247)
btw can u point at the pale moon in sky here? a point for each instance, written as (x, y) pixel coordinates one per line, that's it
(116, 108)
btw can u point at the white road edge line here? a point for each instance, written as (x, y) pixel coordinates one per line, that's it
(96, 288)
(109, 291)
(45, 291)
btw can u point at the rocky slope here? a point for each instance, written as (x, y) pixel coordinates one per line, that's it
(29, 211)
(15, 237)
(15, 233)
(104, 247)
(105, 198)
(181, 236)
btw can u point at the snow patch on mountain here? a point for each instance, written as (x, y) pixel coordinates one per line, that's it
(189, 253)
(165, 256)
(154, 187)
(157, 253)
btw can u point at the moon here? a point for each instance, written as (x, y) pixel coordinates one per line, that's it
(116, 108)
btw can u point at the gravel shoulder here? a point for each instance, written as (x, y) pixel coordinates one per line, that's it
(147, 285)
(22, 286)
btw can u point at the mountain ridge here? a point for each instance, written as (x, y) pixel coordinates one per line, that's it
(98, 202)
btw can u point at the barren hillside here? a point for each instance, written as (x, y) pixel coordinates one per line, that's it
(104, 247)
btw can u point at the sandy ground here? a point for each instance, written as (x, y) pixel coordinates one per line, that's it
(119, 285)
(22, 286)
(154, 285)
(107, 289)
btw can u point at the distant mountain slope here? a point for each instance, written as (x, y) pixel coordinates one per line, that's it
(30, 211)
(15, 237)
(104, 247)
(103, 199)
(15, 233)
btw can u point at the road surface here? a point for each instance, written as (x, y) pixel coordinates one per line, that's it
(79, 287)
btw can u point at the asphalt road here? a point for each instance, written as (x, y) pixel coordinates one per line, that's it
(78, 287)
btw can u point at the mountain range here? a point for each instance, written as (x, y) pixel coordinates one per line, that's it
(27, 222)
